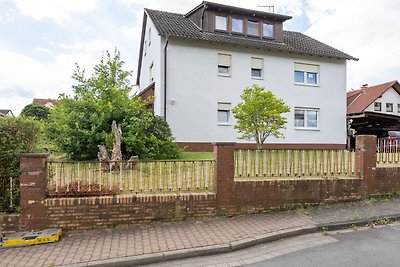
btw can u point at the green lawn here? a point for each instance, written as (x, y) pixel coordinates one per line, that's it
(196, 156)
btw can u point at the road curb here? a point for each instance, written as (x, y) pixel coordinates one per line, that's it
(362, 222)
(233, 246)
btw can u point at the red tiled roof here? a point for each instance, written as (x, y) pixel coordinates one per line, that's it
(359, 100)
(44, 101)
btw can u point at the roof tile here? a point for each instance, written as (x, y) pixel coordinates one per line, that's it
(177, 25)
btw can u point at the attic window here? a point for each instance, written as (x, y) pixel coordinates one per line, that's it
(221, 23)
(377, 106)
(268, 30)
(389, 107)
(252, 28)
(237, 25)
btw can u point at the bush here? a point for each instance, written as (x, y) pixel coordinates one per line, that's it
(79, 123)
(35, 111)
(17, 135)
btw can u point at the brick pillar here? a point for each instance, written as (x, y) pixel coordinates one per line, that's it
(366, 161)
(33, 186)
(224, 172)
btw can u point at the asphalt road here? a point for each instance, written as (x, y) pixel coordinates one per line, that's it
(379, 246)
(372, 247)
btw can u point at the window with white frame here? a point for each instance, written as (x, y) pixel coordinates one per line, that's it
(224, 113)
(398, 108)
(252, 28)
(306, 74)
(268, 30)
(221, 23)
(237, 25)
(389, 107)
(377, 106)
(306, 118)
(257, 65)
(224, 64)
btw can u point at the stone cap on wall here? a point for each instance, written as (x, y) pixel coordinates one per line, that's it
(33, 155)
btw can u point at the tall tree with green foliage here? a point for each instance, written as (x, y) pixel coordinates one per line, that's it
(259, 115)
(36, 111)
(82, 122)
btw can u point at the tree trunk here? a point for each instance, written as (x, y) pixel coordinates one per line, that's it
(116, 154)
(103, 157)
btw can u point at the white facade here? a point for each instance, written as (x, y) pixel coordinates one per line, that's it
(153, 58)
(390, 97)
(194, 90)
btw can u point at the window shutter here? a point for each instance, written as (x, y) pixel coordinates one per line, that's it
(224, 60)
(257, 63)
(306, 67)
(224, 106)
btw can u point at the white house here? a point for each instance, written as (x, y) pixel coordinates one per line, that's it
(374, 108)
(197, 65)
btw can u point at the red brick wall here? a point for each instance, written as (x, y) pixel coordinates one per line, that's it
(9, 223)
(208, 147)
(33, 186)
(102, 212)
(231, 196)
(195, 147)
(385, 180)
(284, 193)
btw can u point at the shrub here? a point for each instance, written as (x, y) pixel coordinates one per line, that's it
(17, 135)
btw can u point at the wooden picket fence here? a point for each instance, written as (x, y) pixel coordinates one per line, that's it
(293, 163)
(94, 178)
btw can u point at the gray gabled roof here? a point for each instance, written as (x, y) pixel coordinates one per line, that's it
(5, 112)
(177, 25)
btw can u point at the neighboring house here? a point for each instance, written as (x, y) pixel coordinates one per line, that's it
(198, 64)
(374, 107)
(48, 102)
(6, 113)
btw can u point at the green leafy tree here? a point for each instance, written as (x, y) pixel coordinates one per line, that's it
(36, 111)
(259, 115)
(17, 135)
(80, 123)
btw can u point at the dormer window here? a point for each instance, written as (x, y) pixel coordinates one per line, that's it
(221, 23)
(237, 25)
(389, 107)
(252, 28)
(377, 106)
(268, 30)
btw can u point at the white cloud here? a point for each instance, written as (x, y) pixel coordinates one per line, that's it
(132, 33)
(184, 6)
(59, 11)
(22, 78)
(364, 29)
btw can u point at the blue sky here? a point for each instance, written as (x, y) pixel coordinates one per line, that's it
(41, 40)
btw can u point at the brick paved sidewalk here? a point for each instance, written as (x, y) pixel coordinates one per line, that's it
(83, 247)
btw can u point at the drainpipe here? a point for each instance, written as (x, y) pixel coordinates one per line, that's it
(165, 78)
